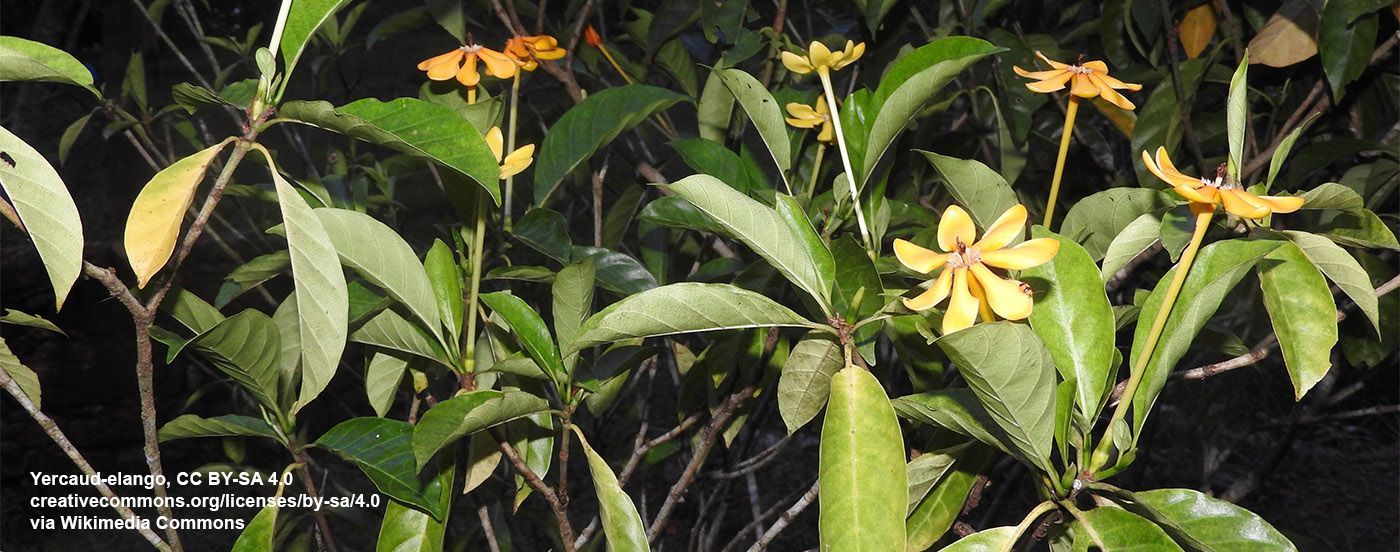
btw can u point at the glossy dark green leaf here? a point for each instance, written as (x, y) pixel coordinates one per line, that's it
(252, 274)
(1303, 314)
(1110, 529)
(587, 127)
(445, 279)
(573, 303)
(530, 330)
(411, 126)
(546, 231)
(245, 347)
(1013, 375)
(979, 189)
(303, 19)
(1098, 219)
(712, 158)
(805, 383)
(466, 414)
(676, 212)
(683, 308)
(1073, 318)
(383, 450)
(1345, 39)
(616, 271)
(864, 492)
(1201, 522)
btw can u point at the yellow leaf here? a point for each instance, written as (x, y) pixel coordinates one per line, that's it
(1288, 37)
(1196, 29)
(154, 222)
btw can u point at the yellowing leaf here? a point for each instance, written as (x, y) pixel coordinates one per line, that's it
(1196, 29)
(154, 222)
(1288, 37)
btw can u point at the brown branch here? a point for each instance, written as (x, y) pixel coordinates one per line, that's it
(485, 516)
(566, 531)
(707, 442)
(787, 517)
(179, 54)
(51, 428)
(324, 540)
(1173, 49)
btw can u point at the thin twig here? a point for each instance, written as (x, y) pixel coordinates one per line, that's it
(1173, 49)
(485, 517)
(179, 54)
(708, 437)
(566, 531)
(787, 517)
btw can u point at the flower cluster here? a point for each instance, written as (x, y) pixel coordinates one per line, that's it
(965, 276)
(521, 52)
(1206, 193)
(1086, 79)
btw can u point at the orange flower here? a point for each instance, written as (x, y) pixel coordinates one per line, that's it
(462, 61)
(590, 35)
(528, 50)
(965, 276)
(1205, 193)
(1087, 79)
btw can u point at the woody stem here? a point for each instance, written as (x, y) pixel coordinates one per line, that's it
(1065, 137)
(1100, 457)
(510, 148)
(845, 158)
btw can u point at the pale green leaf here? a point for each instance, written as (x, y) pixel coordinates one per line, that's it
(469, 413)
(683, 308)
(47, 210)
(1303, 313)
(805, 383)
(1013, 375)
(864, 489)
(379, 255)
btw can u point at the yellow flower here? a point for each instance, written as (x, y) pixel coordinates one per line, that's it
(1087, 79)
(820, 58)
(528, 50)
(966, 276)
(512, 164)
(1205, 193)
(803, 116)
(462, 61)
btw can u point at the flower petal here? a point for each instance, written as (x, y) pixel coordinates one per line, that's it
(918, 259)
(1281, 204)
(826, 134)
(1003, 230)
(980, 294)
(495, 142)
(1051, 62)
(1195, 195)
(1235, 202)
(455, 55)
(962, 308)
(796, 63)
(498, 64)
(1165, 170)
(468, 74)
(1051, 84)
(1005, 296)
(818, 54)
(1098, 66)
(934, 295)
(1108, 93)
(804, 113)
(1037, 75)
(443, 67)
(955, 226)
(517, 161)
(1120, 85)
(1083, 87)
(1023, 255)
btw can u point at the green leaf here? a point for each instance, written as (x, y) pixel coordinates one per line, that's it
(1110, 529)
(1359, 229)
(1345, 38)
(926, 471)
(530, 330)
(683, 308)
(383, 450)
(153, 225)
(805, 383)
(448, 14)
(383, 374)
(446, 280)
(1098, 219)
(469, 413)
(190, 311)
(405, 529)
(411, 126)
(28, 381)
(587, 127)
(676, 212)
(996, 539)
(759, 227)
(615, 271)
(1281, 152)
(190, 425)
(252, 274)
(715, 109)
(713, 158)
(824, 267)
(1332, 195)
(70, 136)
(857, 278)
(1341, 268)
(18, 318)
(379, 255)
(1136, 237)
(302, 21)
(1218, 267)
(1074, 320)
(1013, 375)
(984, 193)
(1303, 313)
(1205, 523)
(622, 525)
(390, 330)
(26, 60)
(573, 303)
(49, 215)
(864, 488)
(322, 298)
(956, 410)
(935, 514)
(245, 347)
(766, 114)
(545, 230)
(1237, 117)
(910, 84)
(260, 534)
